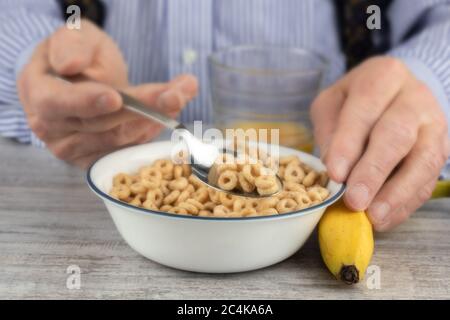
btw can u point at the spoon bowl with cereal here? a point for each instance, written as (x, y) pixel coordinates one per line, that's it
(218, 167)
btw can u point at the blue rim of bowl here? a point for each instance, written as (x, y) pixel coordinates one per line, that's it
(125, 205)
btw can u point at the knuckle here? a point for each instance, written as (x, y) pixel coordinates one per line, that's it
(402, 133)
(39, 128)
(117, 136)
(43, 101)
(67, 150)
(362, 116)
(400, 195)
(394, 66)
(363, 87)
(320, 102)
(431, 159)
(342, 147)
(399, 134)
(423, 90)
(61, 151)
(403, 213)
(378, 169)
(64, 35)
(425, 193)
(440, 123)
(86, 124)
(101, 75)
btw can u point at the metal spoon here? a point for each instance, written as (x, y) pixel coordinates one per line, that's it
(203, 155)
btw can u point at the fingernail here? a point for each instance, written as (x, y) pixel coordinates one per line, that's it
(379, 212)
(340, 167)
(169, 101)
(358, 196)
(187, 87)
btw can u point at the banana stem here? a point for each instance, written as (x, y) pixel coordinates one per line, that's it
(349, 274)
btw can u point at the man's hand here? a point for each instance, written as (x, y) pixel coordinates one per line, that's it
(382, 131)
(82, 121)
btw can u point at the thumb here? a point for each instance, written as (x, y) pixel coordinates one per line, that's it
(169, 98)
(71, 51)
(148, 93)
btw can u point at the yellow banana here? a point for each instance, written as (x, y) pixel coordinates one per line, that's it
(346, 242)
(442, 189)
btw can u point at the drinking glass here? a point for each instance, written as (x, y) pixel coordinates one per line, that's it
(266, 88)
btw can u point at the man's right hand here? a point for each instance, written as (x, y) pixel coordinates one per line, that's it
(82, 121)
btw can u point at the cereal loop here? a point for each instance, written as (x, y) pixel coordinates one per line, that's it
(227, 180)
(201, 195)
(155, 196)
(150, 173)
(310, 178)
(244, 184)
(171, 197)
(137, 188)
(122, 179)
(189, 207)
(226, 199)
(178, 184)
(286, 205)
(294, 173)
(221, 211)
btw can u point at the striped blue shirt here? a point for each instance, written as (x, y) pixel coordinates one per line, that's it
(162, 38)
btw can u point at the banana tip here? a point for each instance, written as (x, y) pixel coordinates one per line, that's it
(349, 274)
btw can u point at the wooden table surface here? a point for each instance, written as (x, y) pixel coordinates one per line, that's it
(49, 220)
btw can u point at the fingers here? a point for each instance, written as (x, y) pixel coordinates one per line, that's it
(75, 108)
(82, 144)
(86, 161)
(72, 50)
(405, 211)
(150, 94)
(50, 130)
(390, 141)
(167, 98)
(181, 90)
(187, 84)
(324, 111)
(52, 98)
(103, 123)
(369, 95)
(421, 166)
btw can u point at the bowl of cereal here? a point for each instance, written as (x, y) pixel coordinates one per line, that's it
(168, 216)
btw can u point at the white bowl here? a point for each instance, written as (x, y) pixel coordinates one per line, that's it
(202, 244)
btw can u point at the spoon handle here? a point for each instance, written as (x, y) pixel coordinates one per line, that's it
(137, 106)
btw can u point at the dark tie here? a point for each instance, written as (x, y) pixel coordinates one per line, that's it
(357, 39)
(93, 10)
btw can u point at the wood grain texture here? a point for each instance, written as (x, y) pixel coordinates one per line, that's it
(49, 220)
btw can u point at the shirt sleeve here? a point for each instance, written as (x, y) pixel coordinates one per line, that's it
(420, 35)
(23, 24)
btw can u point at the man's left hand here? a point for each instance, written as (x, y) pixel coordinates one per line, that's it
(382, 131)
